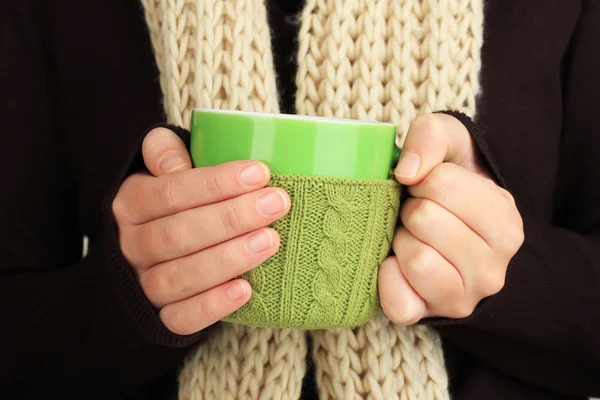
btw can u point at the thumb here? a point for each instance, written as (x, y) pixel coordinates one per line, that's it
(431, 140)
(164, 152)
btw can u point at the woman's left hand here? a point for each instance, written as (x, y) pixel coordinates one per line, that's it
(459, 229)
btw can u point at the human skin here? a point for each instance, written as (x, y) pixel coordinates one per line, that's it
(189, 232)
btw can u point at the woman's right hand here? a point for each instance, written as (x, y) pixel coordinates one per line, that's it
(189, 232)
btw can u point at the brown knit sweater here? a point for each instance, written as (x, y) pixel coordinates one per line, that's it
(80, 90)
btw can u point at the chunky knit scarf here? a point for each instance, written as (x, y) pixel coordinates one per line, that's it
(385, 60)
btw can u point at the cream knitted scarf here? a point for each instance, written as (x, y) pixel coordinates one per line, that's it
(386, 60)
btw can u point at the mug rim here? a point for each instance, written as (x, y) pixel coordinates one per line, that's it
(293, 117)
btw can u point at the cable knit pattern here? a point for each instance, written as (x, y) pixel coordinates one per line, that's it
(381, 60)
(339, 225)
(333, 239)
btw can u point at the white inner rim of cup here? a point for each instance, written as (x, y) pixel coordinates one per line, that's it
(293, 116)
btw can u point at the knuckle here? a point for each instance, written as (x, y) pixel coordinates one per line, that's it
(160, 282)
(507, 195)
(428, 124)
(514, 226)
(398, 315)
(461, 309)
(512, 238)
(207, 312)
(154, 283)
(124, 245)
(387, 307)
(518, 235)
(171, 235)
(231, 219)
(175, 320)
(421, 265)
(439, 181)
(450, 294)
(178, 279)
(226, 258)
(398, 239)
(491, 282)
(417, 212)
(126, 249)
(166, 192)
(213, 185)
(421, 260)
(118, 207)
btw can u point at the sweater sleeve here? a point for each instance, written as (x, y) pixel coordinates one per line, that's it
(542, 328)
(79, 90)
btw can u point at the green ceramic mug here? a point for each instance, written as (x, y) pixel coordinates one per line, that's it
(344, 208)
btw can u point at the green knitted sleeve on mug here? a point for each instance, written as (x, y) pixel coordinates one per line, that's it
(333, 240)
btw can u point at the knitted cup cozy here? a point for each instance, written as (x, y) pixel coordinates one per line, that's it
(334, 238)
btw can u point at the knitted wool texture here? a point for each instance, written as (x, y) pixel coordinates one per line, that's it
(337, 233)
(386, 60)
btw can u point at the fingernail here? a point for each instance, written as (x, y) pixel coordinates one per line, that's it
(408, 165)
(259, 242)
(235, 291)
(172, 161)
(272, 203)
(253, 174)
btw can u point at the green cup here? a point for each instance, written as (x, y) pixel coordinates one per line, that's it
(344, 208)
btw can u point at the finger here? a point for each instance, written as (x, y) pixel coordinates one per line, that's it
(475, 200)
(431, 140)
(143, 198)
(196, 313)
(164, 152)
(432, 224)
(431, 276)
(187, 276)
(193, 230)
(400, 303)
